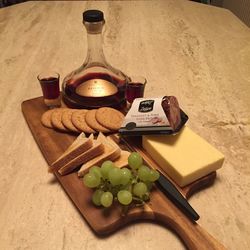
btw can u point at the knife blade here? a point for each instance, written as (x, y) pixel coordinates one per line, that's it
(176, 197)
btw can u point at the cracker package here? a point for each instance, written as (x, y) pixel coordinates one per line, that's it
(159, 115)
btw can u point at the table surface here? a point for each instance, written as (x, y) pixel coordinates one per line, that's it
(199, 53)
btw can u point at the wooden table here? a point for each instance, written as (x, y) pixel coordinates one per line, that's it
(200, 54)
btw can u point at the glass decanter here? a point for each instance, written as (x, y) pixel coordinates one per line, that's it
(96, 83)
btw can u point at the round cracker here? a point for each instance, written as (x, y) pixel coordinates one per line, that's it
(56, 119)
(93, 123)
(67, 122)
(78, 119)
(109, 118)
(46, 118)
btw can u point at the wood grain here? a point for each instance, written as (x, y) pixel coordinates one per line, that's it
(105, 221)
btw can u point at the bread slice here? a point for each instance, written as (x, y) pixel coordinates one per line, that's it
(80, 145)
(111, 152)
(96, 149)
(122, 160)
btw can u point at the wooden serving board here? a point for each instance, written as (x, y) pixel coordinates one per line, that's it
(105, 221)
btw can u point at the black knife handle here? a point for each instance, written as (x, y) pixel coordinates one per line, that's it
(176, 197)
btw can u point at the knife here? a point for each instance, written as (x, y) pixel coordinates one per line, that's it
(176, 197)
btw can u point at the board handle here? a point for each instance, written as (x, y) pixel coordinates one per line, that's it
(189, 231)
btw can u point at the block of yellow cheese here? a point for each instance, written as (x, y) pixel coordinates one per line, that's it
(185, 157)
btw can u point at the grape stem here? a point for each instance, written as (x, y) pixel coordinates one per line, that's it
(138, 200)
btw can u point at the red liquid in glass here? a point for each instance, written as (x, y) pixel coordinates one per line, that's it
(73, 99)
(50, 87)
(134, 90)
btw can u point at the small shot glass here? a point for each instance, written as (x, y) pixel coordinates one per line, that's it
(49, 82)
(135, 88)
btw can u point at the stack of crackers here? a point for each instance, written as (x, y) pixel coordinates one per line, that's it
(103, 120)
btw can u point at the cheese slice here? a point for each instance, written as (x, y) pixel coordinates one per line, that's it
(79, 146)
(95, 150)
(122, 161)
(185, 157)
(111, 152)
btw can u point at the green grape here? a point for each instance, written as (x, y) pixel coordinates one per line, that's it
(96, 171)
(126, 176)
(135, 160)
(143, 173)
(115, 176)
(91, 180)
(124, 197)
(107, 199)
(140, 189)
(153, 175)
(106, 167)
(127, 187)
(96, 197)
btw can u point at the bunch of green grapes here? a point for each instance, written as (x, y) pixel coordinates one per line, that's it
(126, 185)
